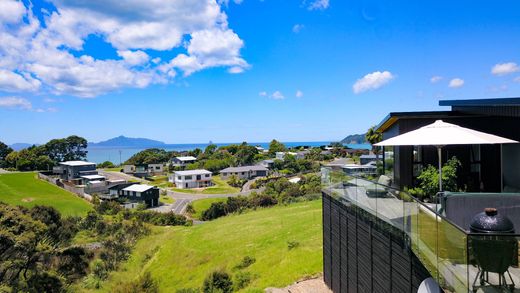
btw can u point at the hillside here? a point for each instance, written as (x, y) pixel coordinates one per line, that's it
(354, 139)
(285, 241)
(27, 190)
(128, 142)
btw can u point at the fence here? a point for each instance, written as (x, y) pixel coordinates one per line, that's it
(79, 191)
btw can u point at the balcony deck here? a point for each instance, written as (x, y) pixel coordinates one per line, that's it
(443, 247)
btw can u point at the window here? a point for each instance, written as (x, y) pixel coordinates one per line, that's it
(134, 193)
(179, 178)
(207, 175)
(157, 168)
(188, 177)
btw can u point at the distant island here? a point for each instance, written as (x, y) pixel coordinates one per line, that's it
(128, 142)
(354, 139)
(20, 146)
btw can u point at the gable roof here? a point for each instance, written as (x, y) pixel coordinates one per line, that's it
(244, 169)
(77, 163)
(192, 172)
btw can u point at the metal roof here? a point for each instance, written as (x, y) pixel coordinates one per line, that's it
(138, 187)
(77, 163)
(93, 177)
(186, 158)
(482, 102)
(244, 169)
(192, 172)
(391, 118)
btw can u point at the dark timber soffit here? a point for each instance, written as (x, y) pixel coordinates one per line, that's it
(391, 118)
(482, 102)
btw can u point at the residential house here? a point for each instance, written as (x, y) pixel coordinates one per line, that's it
(378, 238)
(301, 154)
(244, 172)
(146, 194)
(71, 170)
(183, 161)
(191, 179)
(281, 155)
(337, 164)
(365, 159)
(144, 170)
(269, 164)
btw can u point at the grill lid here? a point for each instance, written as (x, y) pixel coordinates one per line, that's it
(490, 221)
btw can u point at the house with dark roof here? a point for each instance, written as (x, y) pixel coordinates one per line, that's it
(490, 168)
(244, 172)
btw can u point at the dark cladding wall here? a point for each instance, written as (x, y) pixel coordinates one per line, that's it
(362, 253)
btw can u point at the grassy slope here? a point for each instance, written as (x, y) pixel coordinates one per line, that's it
(26, 189)
(201, 205)
(181, 257)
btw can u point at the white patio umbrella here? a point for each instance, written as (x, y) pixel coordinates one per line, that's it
(440, 134)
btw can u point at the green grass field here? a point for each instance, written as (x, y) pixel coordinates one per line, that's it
(181, 257)
(201, 205)
(26, 189)
(166, 199)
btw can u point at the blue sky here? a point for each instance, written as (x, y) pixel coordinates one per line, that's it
(230, 72)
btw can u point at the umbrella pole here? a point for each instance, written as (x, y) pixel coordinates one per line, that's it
(439, 153)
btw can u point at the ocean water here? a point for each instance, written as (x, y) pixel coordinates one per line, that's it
(118, 155)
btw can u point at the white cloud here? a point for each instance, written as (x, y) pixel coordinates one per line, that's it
(12, 11)
(262, 94)
(236, 70)
(297, 28)
(15, 103)
(134, 58)
(211, 48)
(456, 83)
(38, 55)
(505, 68)
(372, 81)
(277, 95)
(435, 79)
(14, 82)
(318, 5)
(299, 94)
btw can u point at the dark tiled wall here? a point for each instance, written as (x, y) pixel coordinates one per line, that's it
(362, 253)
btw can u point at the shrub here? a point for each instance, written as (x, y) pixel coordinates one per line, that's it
(99, 269)
(242, 279)
(246, 262)
(144, 284)
(429, 178)
(292, 244)
(216, 210)
(190, 209)
(218, 281)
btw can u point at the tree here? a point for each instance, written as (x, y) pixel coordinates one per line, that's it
(373, 136)
(429, 178)
(276, 146)
(245, 154)
(4, 151)
(106, 164)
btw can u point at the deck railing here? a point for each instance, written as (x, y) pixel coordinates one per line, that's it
(452, 255)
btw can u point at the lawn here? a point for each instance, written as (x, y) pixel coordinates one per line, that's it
(26, 189)
(201, 205)
(166, 199)
(181, 257)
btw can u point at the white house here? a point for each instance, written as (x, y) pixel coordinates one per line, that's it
(183, 161)
(281, 155)
(191, 178)
(267, 163)
(244, 172)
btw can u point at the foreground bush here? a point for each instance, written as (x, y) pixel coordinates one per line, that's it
(218, 282)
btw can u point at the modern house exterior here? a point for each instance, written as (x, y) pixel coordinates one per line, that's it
(144, 170)
(191, 179)
(183, 161)
(244, 172)
(490, 168)
(281, 155)
(71, 170)
(379, 238)
(133, 192)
